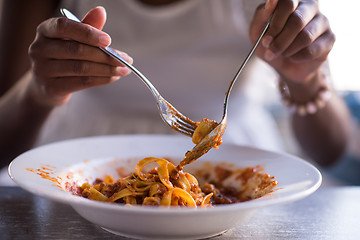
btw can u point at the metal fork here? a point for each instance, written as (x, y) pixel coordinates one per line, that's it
(175, 119)
(214, 137)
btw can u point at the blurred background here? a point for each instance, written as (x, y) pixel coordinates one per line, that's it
(344, 65)
(343, 16)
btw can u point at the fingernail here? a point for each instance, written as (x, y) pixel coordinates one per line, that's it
(104, 40)
(122, 71)
(267, 41)
(101, 7)
(267, 4)
(269, 55)
(128, 59)
(118, 71)
(115, 78)
(125, 57)
(125, 71)
(270, 2)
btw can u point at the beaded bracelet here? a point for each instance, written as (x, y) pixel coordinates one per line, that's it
(307, 108)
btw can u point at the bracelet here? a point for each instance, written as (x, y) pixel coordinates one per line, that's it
(307, 108)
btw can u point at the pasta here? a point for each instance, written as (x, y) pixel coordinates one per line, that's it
(161, 186)
(165, 185)
(203, 128)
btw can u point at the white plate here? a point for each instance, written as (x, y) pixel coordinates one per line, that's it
(84, 159)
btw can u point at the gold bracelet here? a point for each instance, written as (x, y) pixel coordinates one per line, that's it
(307, 108)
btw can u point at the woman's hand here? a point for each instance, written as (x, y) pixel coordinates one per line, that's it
(65, 58)
(296, 45)
(298, 40)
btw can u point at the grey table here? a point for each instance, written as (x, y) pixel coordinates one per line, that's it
(329, 213)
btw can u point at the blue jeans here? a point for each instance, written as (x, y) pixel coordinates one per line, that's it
(348, 169)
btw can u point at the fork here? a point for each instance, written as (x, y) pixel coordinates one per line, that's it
(214, 137)
(169, 114)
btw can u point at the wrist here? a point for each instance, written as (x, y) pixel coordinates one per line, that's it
(38, 94)
(305, 91)
(31, 97)
(306, 98)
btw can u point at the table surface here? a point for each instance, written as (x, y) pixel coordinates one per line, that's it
(329, 213)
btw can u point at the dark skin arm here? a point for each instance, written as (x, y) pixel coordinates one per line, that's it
(64, 58)
(296, 45)
(19, 20)
(15, 37)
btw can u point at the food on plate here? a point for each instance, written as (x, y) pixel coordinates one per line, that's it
(163, 184)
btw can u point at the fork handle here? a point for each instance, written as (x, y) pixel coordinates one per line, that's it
(244, 63)
(111, 52)
(108, 50)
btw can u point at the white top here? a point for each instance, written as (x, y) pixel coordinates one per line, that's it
(190, 51)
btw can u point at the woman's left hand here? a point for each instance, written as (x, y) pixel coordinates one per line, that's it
(298, 39)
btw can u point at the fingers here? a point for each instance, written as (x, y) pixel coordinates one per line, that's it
(63, 28)
(61, 49)
(296, 25)
(62, 86)
(280, 17)
(286, 30)
(96, 17)
(65, 57)
(59, 78)
(59, 58)
(308, 35)
(319, 49)
(69, 68)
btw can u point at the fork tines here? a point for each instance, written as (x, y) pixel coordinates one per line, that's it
(185, 126)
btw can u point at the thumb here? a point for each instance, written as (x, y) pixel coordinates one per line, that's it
(96, 17)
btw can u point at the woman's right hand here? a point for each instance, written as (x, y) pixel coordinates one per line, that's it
(65, 58)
